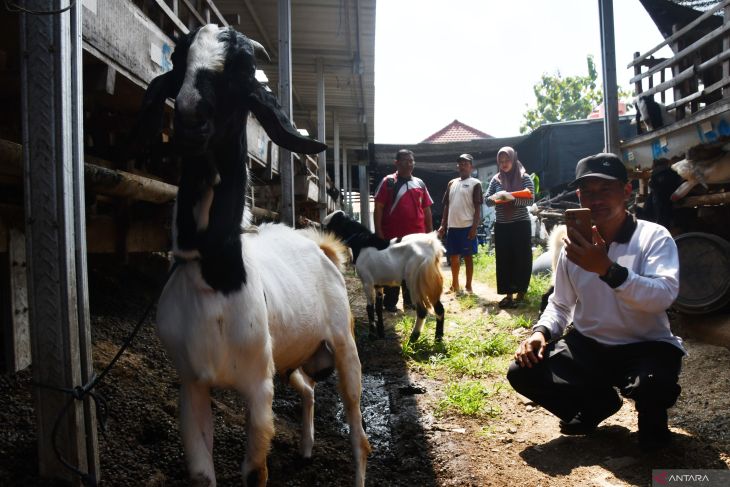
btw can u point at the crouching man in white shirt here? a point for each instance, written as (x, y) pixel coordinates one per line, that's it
(615, 291)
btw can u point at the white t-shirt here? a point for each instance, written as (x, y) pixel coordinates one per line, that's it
(461, 202)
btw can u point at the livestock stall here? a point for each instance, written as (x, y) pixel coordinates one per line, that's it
(687, 137)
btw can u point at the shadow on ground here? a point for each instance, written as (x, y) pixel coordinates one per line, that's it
(615, 449)
(142, 446)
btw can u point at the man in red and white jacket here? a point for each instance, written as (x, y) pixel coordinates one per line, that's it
(402, 207)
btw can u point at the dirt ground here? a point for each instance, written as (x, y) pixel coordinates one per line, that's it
(411, 447)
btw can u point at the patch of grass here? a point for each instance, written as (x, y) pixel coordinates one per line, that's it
(472, 351)
(467, 301)
(538, 286)
(470, 398)
(485, 268)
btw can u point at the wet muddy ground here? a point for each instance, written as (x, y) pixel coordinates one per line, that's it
(411, 446)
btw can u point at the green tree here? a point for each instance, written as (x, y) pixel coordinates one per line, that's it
(565, 98)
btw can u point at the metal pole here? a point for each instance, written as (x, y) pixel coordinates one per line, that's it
(348, 180)
(336, 137)
(286, 171)
(321, 135)
(610, 89)
(364, 196)
(55, 234)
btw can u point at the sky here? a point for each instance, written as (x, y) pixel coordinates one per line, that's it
(478, 60)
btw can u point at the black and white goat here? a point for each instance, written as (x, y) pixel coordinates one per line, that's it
(653, 115)
(243, 306)
(414, 258)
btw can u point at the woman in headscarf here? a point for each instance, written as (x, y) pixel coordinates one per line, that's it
(513, 229)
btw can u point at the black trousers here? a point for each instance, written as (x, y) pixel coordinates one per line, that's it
(390, 295)
(513, 252)
(579, 374)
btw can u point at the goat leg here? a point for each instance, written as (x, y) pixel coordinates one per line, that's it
(371, 320)
(379, 311)
(438, 308)
(421, 313)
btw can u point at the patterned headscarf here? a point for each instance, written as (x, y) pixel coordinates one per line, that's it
(511, 180)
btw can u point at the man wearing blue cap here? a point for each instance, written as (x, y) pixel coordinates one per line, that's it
(615, 291)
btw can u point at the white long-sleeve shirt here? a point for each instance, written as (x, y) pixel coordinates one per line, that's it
(632, 312)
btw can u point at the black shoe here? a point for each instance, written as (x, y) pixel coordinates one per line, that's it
(654, 431)
(578, 426)
(586, 423)
(655, 441)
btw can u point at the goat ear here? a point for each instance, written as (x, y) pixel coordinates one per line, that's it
(267, 110)
(149, 121)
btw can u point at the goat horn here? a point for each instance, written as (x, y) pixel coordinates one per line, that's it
(259, 50)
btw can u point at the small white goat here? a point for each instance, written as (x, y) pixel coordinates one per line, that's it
(414, 258)
(555, 245)
(241, 307)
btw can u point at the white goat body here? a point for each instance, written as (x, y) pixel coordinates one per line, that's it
(412, 259)
(555, 245)
(294, 299)
(415, 258)
(715, 170)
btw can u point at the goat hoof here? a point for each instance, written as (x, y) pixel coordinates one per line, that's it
(372, 333)
(414, 337)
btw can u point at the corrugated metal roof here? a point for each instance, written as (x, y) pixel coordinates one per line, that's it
(339, 32)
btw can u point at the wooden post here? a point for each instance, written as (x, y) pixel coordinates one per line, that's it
(286, 172)
(55, 235)
(17, 351)
(726, 47)
(638, 89)
(676, 69)
(637, 71)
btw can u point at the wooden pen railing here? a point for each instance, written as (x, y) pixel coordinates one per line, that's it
(181, 16)
(698, 74)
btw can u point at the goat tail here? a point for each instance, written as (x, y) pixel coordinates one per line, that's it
(333, 247)
(426, 282)
(555, 244)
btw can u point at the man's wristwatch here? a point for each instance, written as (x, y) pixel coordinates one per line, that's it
(615, 275)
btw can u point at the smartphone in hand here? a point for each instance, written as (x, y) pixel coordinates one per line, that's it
(579, 219)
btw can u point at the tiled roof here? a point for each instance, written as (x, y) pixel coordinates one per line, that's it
(456, 132)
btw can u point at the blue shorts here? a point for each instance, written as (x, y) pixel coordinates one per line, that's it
(458, 243)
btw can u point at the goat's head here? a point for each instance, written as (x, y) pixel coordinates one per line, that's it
(214, 86)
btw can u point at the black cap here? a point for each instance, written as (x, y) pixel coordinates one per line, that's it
(603, 165)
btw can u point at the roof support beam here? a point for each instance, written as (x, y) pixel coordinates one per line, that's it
(610, 87)
(336, 150)
(364, 196)
(322, 136)
(285, 157)
(348, 181)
